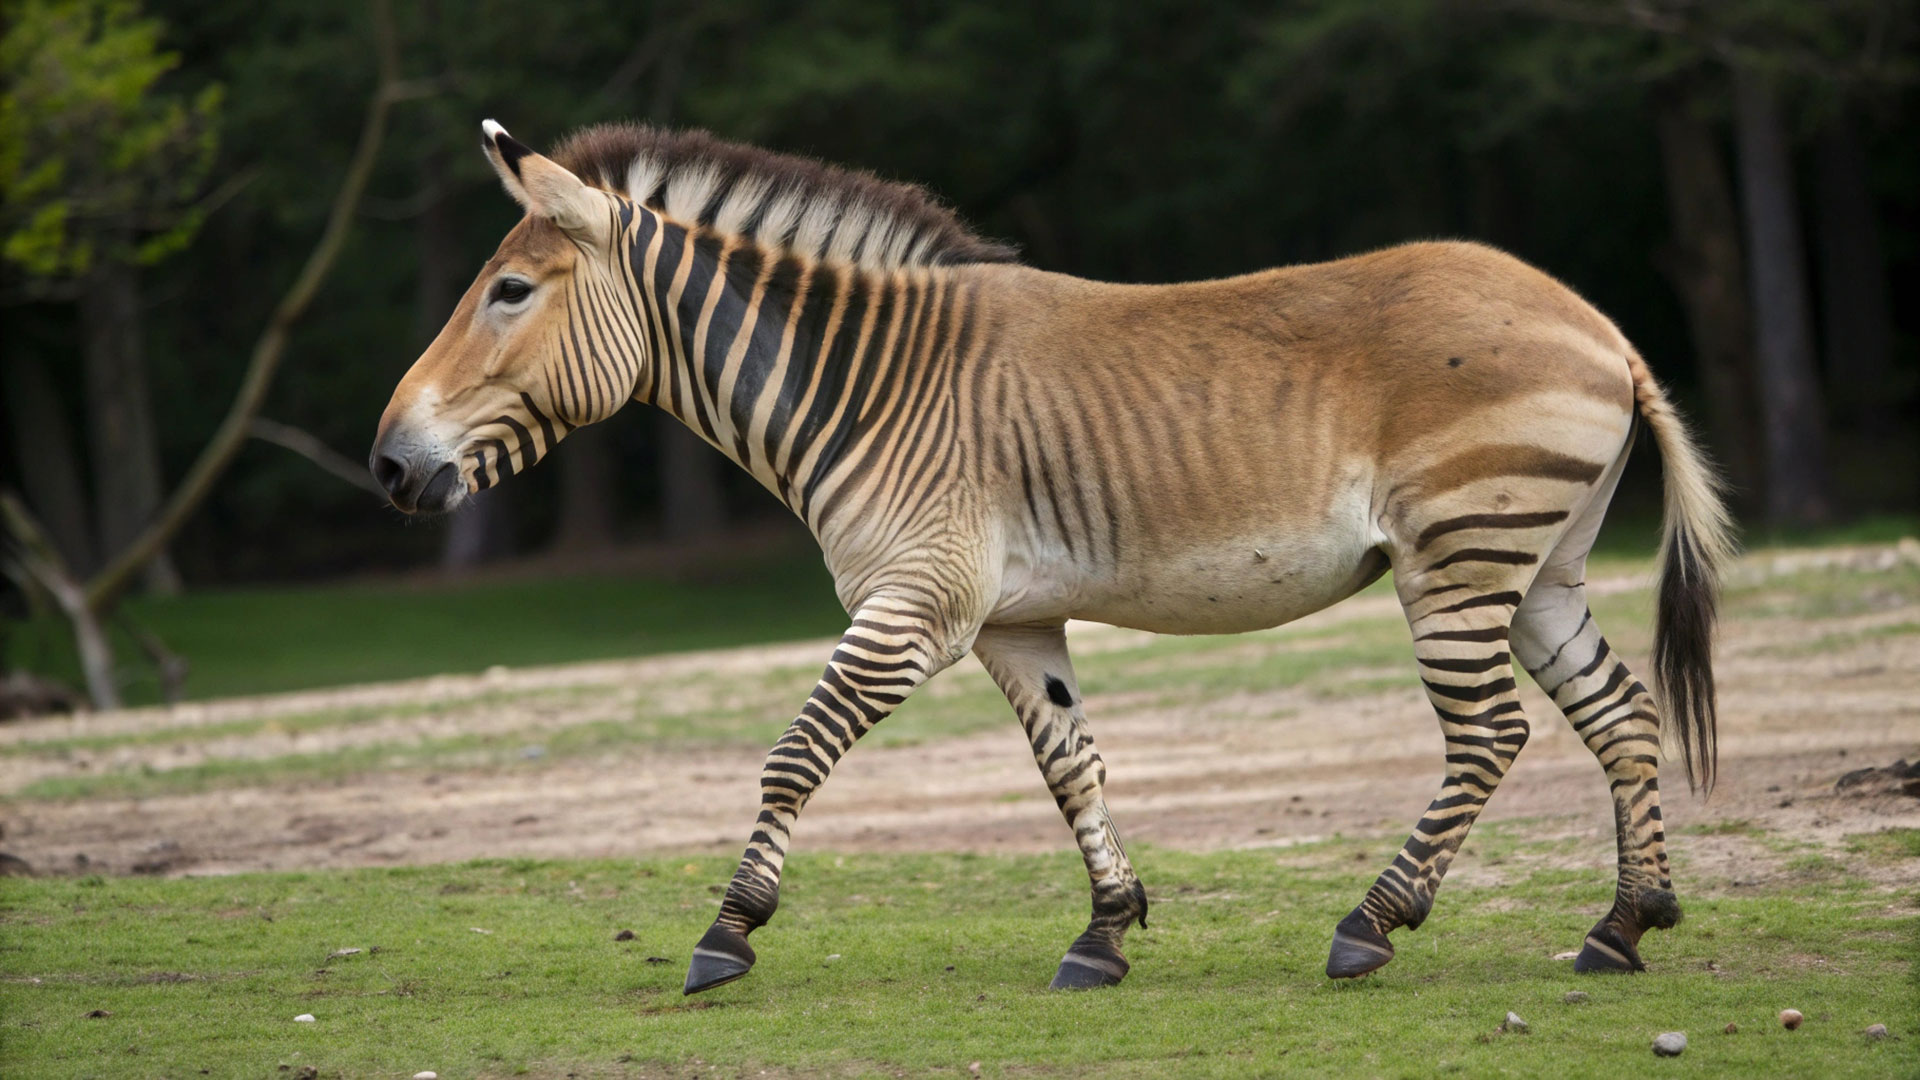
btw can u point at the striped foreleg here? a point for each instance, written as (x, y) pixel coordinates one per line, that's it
(1460, 641)
(1033, 670)
(884, 656)
(1561, 646)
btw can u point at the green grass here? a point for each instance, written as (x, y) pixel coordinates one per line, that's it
(880, 964)
(250, 641)
(1887, 845)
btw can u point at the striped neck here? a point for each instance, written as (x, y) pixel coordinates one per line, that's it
(782, 362)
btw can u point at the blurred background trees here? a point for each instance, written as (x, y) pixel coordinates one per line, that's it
(1736, 182)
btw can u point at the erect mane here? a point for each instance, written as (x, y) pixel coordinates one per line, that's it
(780, 201)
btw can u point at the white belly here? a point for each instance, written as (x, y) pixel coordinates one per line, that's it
(1223, 587)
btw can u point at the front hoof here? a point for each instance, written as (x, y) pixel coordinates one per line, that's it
(1357, 948)
(1606, 950)
(1089, 967)
(721, 957)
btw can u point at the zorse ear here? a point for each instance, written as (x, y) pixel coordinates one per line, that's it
(545, 188)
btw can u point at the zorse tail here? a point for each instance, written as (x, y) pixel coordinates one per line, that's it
(1696, 542)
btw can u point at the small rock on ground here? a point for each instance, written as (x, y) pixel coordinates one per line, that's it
(1876, 1032)
(1514, 1024)
(303, 1018)
(1577, 997)
(426, 1074)
(1566, 956)
(1732, 1027)
(1670, 1044)
(1790, 1018)
(624, 935)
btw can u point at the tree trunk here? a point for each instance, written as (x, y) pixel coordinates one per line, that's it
(1706, 269)
(49, 468)
(1858, 320)
(690, 492)
(588, 464)
(1790, 403)
(126, 450)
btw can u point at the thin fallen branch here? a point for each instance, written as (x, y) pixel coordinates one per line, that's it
(33, 553)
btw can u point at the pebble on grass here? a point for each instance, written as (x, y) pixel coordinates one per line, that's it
(1732, 1027)
(1577, 997)
(1513, 1024)
(1876, 1032)
(426, 1074)
(624, 935)
(1670, 1043)
(1790, 1018)
(303, 1018)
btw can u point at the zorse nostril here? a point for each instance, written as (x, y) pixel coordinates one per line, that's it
(390, 472)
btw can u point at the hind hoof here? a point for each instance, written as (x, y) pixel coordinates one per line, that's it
(1607, 951)
(1089, 969)
(1357, 948)
(721, 957)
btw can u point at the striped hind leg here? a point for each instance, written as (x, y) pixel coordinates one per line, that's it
(1032, 668)
(1555, 637)
(1460, 640)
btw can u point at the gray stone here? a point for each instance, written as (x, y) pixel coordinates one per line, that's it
(1576, 997)
(1670, 1044)
(1514, 1024)
(1877, 1032)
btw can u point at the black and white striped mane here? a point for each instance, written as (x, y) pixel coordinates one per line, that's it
(781, 201)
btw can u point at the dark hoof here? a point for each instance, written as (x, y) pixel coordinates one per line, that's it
(1357, 948)
(721, 957)
(1606, 950)
(1089, 968)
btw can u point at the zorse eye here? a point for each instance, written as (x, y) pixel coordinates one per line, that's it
(510, 290)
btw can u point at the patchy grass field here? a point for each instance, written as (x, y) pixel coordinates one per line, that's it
(1263, 780)
(888, 964)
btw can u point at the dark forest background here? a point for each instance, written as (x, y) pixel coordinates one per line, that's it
(1736, 183)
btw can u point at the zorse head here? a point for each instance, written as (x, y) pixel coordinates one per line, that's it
(524, 359)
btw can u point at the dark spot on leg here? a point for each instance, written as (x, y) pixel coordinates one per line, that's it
(1454, 361)
(1058, 693)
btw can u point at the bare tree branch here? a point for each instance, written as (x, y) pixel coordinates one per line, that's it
(108, 585)
(309, 446)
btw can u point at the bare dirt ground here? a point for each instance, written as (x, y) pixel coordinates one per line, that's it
(1805, 699)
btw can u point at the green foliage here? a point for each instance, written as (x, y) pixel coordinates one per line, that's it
(879, 965)
(97, 164)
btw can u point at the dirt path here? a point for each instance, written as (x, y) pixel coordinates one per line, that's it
(1805, 699)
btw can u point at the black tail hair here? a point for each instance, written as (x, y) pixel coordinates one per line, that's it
(1683, 656)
